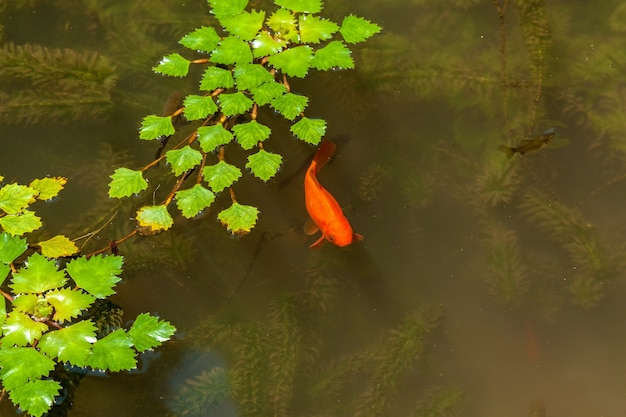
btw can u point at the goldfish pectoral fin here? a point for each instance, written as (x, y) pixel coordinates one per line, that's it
(318, 243)
(357, 236)
(309, 227)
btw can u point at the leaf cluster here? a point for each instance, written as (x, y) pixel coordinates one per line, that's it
(245, 67)
(43, 314)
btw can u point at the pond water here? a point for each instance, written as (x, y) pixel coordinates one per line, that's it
(484, 286)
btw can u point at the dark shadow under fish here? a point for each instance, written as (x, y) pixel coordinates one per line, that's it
(529, 145)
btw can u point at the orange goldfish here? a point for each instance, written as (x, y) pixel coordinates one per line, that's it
(322, 206)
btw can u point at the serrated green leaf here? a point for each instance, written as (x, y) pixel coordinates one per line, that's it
(249, 76)
(21, 223)
(39, 275)
(221, 175)
(35, 397)
(96, 275)
(294, 62)
(192, 201)
(198, 107)
(18, 365)
(25, 303)
(72, 344)
(238, 218)
(153, 127)
(267, 92)
(183, 159)
(113, 352)
(15, 197)
(314, 29)
(20, 330)
(309, 130)
(148, 332)
(264, 165)
(4, 273)
(305, 6)
(250, 133)
(11, 247)
(68, 304)
(265, 45)
(232, 50)
(214, 78)
(48, 187)
(234, 103)
(290, 105)
(283, 23)
(155, 218)
(333, 55)
(203, 39)
(173, 65)
(126, 182)
(210, 137)
(244, 25)
(57, 247)
(227, 8)
(356, 29)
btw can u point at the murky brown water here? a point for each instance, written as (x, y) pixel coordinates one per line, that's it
(499, 281)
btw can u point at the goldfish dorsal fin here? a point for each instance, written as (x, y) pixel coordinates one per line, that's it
(309, 227)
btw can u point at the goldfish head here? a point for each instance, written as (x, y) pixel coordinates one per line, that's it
(341, 237)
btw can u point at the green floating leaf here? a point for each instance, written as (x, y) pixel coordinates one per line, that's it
(184, 159)
(72, 344)
(18, 224)
(356, 29)
(173, 65)
(198, 107)
(263, 164)
(35, 397)
(57, 247)
(309, 130)
(232, 50)
(11, 247)
(113, 352)
(155, 218)
(235, 103)
(214, 78)
(96, 275)
(48, 187)
(283, 23)
(221, 175)
(39, 275)
(295, 62)
(227, 8)
(250, 133)
(19, 365)
(192, 201)
(4, 273)
(244, 25)
(126, 182)
(265, 45)
(267, 92)
(303, 6)
(239, 219)
(333, 55)
(290, 105)
(249, 76)
(20, 330)
(148, 332)
(153, 127)
(203, 39)
(68, 304)
(3, 306)
(210, 137)
(314, 29)
(14, 198)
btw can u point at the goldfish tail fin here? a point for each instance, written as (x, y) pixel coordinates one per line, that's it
(509, 151)
(323, 154)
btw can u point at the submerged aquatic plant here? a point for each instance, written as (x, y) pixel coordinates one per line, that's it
(244, 69)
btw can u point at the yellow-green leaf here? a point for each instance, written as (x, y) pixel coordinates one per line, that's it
(156, 218)
(238, 218)
(58, 246)
(15, 198)
(126, 182)
(18, 224)
(48, 187)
